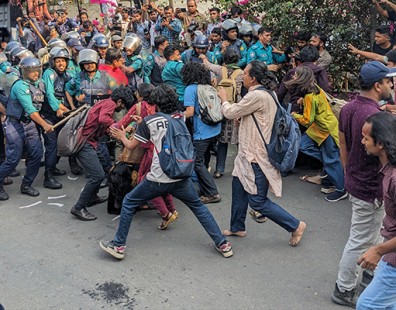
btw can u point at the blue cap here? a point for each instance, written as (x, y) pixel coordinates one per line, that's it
(375, 71)
(73, 42)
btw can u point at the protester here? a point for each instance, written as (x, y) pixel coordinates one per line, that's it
(157, 183)
(253, 174)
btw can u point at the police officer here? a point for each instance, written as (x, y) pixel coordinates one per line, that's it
(100, 45)
(230, 40)
(246, 34)
(133, 67)
(156, 61)
(55, 79)
(90, 81)
(26, 100)
(10, 46)
(200, 46)
(74, 46)
(263, 51)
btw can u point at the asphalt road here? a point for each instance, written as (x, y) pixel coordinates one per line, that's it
(51, 260)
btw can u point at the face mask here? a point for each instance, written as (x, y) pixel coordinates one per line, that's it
(88, 34)
(237, 19)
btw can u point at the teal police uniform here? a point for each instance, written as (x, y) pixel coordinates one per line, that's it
(264, 54)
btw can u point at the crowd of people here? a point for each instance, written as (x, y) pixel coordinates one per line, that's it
(142, 71)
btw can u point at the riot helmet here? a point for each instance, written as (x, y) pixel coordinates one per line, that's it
(200, 41)
(10, 46)
(133, 42)
(226, 26)
(58, 52)
(29, 65)
(87, 56)
(55, 42)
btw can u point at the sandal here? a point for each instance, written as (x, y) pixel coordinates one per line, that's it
(317, 179)
(169, 218)
(257, 216)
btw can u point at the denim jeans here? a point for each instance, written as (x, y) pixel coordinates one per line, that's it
(328, 153)
(222, 149)
(90, 161)
(182, 190)
(381, 292)
(104, 156)
(259, 202)
(365, 232)
(20, 136)
(206, 182)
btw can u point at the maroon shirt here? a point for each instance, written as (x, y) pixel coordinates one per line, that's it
(389, 223)
(100, 118)
(361, 178)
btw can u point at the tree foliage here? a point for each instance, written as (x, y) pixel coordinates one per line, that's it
(343, 21)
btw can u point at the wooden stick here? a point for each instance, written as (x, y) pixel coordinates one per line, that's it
(37, 32)
(74, 113)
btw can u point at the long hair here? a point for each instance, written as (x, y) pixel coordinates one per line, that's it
(383, 131)
(265, 77)
(304, 82)
(165, 98)
(195, 73)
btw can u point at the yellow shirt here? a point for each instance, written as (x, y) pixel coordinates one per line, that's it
(318, 118)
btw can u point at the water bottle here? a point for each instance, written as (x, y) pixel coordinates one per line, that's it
(167, 149)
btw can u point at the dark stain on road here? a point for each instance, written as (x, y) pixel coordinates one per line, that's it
(112, 293)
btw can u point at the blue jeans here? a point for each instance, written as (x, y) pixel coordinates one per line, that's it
(90, 161)
(20, 136)
(328, 153)
(182, 190)
(104, 156)
(221, 156)
(381, 292)
(206, 182)
(259, 202)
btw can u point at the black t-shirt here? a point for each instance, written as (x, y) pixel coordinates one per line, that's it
(381, 51)
(392, 15)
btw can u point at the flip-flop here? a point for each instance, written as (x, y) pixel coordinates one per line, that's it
(316, 179)
(257, 216)
(228, 232)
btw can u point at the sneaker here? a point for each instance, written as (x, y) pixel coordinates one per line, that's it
(116, 251)
(225, 249)
(213, 199)
(367, 277)
(336, 196)
(348, 298)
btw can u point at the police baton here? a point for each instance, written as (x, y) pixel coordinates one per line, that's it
(71, 114)
(32, 25)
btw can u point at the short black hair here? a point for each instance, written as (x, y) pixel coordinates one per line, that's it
(322, 37)
(87, 24)
(195, 73)
(214, 9)
(144, 90)
(217, 31)
(231, 56)
(263, 76)
(166, 8)
(383, 131)
(309, 54)
(303, 36)
(383, 29)
(391, 55)
(169, 51)
(112, 54)
(165, 98)
(158, 40)
(236, 10)
(123, 93)
(264, 29)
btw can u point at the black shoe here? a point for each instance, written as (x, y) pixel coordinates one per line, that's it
(74, 167)
(51, 182)
(348, 298)
(98, 200)
(7, 181)
(28, 190)
(367, 277)
(58, 172)
(3, 194)
(14, 174)
(83, 214)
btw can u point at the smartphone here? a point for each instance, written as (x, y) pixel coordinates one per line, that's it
(183, 10)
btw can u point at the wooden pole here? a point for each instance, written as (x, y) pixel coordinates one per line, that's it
(37, 32)
(73, 113)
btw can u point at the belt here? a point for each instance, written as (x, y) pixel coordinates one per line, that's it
(24, 120)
